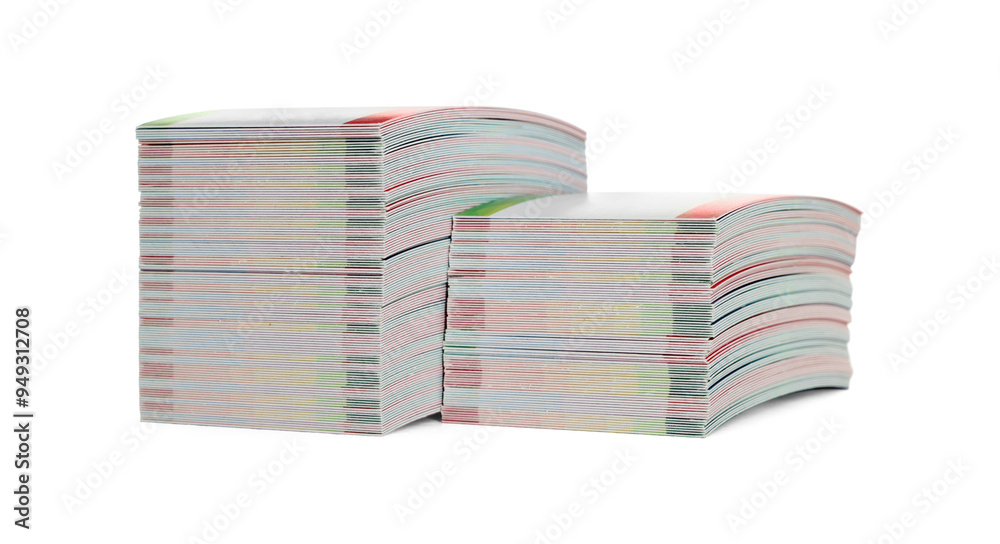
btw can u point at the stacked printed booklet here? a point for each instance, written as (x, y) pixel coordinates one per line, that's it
(662, 314)
(293, 263)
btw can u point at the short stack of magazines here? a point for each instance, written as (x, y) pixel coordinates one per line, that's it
(661, 314)
(294, 262)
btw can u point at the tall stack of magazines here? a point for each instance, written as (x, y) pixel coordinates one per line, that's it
(294, 262)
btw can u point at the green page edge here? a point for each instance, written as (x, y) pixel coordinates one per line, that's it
(494, 206)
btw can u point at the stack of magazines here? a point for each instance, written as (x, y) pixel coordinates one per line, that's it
(662, 314)
(294, 262)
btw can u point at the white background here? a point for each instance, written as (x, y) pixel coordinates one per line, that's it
(605, 64)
